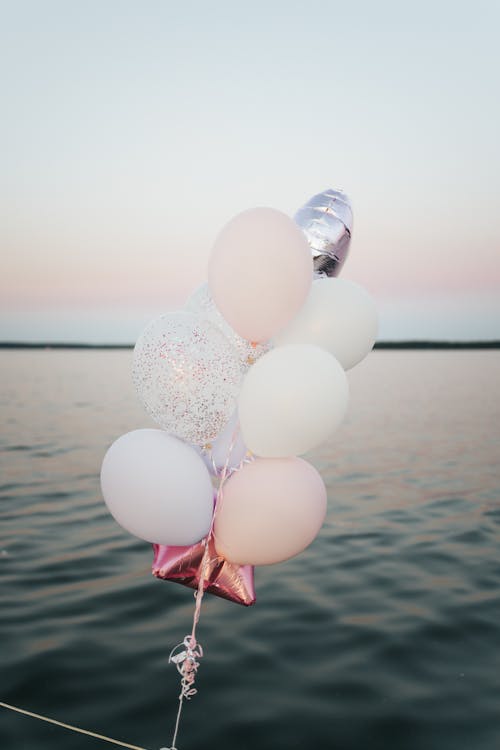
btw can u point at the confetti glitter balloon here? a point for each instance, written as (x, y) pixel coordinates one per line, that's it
(187, 376)
(326, 220)
(201, 302)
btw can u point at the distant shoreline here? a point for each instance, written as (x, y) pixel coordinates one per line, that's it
(379, 345)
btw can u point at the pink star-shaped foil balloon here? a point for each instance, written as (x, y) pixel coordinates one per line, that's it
(222, 578)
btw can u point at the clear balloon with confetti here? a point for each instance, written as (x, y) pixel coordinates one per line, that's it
(187, 376)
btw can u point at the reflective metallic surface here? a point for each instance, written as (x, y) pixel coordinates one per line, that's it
(225, 579)
(326, 220)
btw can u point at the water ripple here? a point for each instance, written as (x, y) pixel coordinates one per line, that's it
(383, 634)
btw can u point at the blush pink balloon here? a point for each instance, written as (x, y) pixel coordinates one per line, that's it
(260, 272)
(270, 510)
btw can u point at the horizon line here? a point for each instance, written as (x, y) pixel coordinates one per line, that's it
(395, 344)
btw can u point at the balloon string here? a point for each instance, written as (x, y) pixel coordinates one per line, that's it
(186, 654)
(176, 730)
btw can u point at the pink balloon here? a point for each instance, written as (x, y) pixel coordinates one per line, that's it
(222, 578)
(270, 510)
(260, 272)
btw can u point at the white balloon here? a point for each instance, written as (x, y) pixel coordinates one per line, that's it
(228, 447)
(157, 488)
(340, 316)
(291, 400)
(202, 453)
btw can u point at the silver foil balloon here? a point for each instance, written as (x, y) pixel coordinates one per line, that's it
(326, 220)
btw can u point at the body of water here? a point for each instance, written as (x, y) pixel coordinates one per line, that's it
(384, 634)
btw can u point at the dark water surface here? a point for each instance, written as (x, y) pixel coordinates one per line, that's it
(384, 634)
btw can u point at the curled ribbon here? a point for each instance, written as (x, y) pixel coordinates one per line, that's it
(186, 662)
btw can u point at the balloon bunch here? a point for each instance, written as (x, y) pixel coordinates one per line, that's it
(249, 376)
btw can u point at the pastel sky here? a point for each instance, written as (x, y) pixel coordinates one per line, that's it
(132, 131)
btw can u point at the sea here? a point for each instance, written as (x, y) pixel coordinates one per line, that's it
(384, 634)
